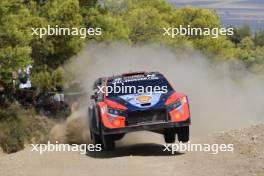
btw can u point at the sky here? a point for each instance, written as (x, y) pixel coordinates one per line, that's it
(232, 12)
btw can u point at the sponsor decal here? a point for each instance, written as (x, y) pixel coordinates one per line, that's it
(144, 99)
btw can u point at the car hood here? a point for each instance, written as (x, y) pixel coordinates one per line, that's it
(142, 101)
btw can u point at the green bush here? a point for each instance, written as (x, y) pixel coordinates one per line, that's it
(12, 138)
(18, 127)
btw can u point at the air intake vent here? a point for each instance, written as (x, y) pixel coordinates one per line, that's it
(146, 116)
(146, 104)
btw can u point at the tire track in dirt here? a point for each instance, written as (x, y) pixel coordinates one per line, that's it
(142, 154)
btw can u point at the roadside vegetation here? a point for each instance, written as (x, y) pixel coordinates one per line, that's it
(131, 21)
(19, 127)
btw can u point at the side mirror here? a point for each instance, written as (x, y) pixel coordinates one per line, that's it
(93, 97)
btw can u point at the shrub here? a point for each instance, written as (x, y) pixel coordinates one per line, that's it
(18, 126)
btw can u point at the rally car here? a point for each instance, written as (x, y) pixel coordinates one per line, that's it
(134, 102)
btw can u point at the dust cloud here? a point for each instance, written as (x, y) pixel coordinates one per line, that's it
(74, 130)
(222, 96)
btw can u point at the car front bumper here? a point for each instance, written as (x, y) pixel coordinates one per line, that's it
(146, 127)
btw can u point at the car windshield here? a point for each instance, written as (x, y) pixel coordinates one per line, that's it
(137, 85)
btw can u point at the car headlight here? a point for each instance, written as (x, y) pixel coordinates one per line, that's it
(176, 104)
(113, 111)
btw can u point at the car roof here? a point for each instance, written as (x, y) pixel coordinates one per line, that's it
(126, 75)
(134, 75)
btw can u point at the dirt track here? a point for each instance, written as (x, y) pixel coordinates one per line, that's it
(142, 154)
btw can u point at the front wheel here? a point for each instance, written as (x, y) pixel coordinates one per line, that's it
(108, 142)
(183, 134)
(169, 136)
(95, 138)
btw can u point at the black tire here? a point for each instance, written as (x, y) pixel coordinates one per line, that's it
(118, 136)
(95, 138)
(108, 143)
(183, 134)
(169, 136)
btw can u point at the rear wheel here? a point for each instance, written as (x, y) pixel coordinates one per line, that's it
(183, 134)
(169, 136)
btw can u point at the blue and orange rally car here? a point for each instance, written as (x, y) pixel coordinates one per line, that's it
(134, 102)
